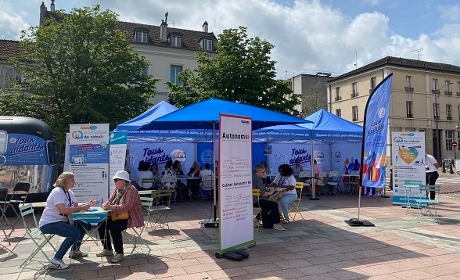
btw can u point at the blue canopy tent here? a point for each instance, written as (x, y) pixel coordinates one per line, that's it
(148, 116)
(325, 127)
(205, 115)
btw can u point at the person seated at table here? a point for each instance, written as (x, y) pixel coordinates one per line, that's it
(266, 172)
(143, 173)
(169, 172)
(297, 168)
(270, 212)
(60, 204)
(177, 166)
(194, 172)
(285, 179)
(124, 198)
(206, 172)
(181, 184)
(154, 170)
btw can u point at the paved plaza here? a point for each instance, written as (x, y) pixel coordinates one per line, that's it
(322, 246)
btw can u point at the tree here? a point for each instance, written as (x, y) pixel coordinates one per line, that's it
(79, 69)
(313, 100)
(242, 71)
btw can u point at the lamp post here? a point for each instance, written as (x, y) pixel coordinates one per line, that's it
(457, 127)
(438, 143)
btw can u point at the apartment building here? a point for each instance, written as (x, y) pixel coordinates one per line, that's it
(425, 97)
(307, 85)
(169, 50)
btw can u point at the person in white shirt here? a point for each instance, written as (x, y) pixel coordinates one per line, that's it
(143, 173)
(60, 204)
(431, 166)
(285, 179)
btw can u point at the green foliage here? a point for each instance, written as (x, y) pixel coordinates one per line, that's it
(242, 71)
(81, 69)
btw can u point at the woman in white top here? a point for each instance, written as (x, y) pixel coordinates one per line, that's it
(61, 203)
(143, 173)
(285, 180)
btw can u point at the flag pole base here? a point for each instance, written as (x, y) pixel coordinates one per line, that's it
(210, 223)
(358, 223)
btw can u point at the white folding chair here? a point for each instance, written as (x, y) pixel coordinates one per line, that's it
(334, 180)
(40, 239)
(206, 187)
(169, 182)
(305, 176)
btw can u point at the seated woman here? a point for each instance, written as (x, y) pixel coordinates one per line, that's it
(297, 168)
(143, 173)
(285, 180)
(61, 203)
(270, 213)
(194, 172)
(124, 198)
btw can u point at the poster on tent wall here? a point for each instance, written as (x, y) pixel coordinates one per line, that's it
(160, 153)
(235, 182)
(408, 157)
(287, 153)
(89, 160)
(346, 157)
(118, 143)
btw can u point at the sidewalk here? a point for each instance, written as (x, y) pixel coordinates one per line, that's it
(322, 246)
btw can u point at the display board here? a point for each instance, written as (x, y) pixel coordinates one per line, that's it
(118, 143)
(408, 157)
(235, 182)
(89, 161)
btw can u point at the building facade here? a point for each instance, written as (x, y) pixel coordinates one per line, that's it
(313, 89)
(425, 97)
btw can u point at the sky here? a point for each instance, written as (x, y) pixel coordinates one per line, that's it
(309, 36)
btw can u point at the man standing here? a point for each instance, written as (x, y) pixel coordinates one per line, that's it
(431, 166)
(270, 212)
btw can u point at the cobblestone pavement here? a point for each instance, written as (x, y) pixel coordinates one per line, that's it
(320, 246)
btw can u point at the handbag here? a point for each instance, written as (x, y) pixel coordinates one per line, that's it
(121, 216)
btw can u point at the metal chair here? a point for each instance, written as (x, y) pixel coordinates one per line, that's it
(154, 181)
(40, 239)
(206, 187)
(425, 205)
(169, 182)
(136, 237)
(160, 204)
(321, 183)
(3, 206)
(19, 196)
(296, 203)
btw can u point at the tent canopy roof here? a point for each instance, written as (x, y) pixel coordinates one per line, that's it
(148, 116)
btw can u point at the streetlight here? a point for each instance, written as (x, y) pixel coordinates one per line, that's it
(438, 143)
(457, 127)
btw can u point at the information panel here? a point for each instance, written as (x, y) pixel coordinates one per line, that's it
(235, 182)
(118, 143)
(89, 160)
(408, 157)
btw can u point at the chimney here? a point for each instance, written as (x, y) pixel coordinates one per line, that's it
(53, 8)
(205, 26)
(42, 12)
(163, 31)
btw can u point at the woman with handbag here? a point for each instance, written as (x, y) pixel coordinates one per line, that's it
(125, 212)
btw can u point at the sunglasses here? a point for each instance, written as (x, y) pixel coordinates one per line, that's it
(116, 180)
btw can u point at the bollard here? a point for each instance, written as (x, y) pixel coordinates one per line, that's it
(443, 167)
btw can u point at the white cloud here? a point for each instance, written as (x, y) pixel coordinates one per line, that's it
(309, 35)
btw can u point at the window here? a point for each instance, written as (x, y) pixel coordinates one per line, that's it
(436, 110)
(449, 112)
(449, 139)
(435, 85)
(372, 84)
(176, 41)
(337, 94)
(354, 110)
(409, 84)
(447, 90)
(459, 113)
(338, 112)
(8, 76)
(397, 129)
(174, 71)
(142, 36)
(355, 89)
(458, 88)
(410, 129)
(206, 44)
(409, 109)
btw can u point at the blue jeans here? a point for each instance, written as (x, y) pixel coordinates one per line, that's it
(73, 235)
(284, 201)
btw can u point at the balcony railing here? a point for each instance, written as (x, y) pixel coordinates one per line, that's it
(447, 92)
(355, 94)
(337, 98)
(449, 118)
(410, 115)
(435, 91)
(409, 89)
